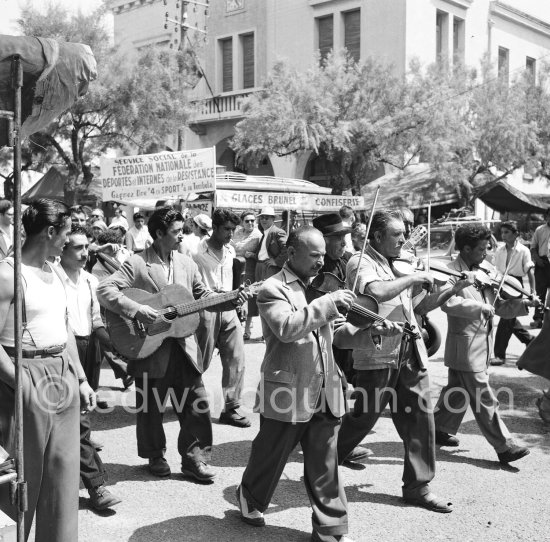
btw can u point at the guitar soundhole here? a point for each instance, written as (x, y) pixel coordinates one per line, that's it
(170, 314)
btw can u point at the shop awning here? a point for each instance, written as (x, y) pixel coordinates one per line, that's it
(51, 186)
(503, 197)
(414, 188)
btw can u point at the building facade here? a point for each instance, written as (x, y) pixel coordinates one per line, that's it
(245, 37)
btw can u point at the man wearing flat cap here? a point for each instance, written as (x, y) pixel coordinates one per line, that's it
(334, 231)
(272, 251)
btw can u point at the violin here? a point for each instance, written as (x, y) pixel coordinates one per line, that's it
(487, 277)
(361, 313)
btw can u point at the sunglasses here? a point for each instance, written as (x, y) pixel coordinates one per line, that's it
(253, 220)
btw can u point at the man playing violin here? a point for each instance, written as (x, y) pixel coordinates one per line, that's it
(514, 259)
(391, 368)
(468, 348)
(300, 397)
(334, 233)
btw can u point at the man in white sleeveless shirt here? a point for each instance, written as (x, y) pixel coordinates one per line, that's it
(54, 383)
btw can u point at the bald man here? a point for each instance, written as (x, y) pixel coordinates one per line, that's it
(300, 397)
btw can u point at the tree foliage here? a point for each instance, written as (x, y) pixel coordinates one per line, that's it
(362, 115)
(136, 103)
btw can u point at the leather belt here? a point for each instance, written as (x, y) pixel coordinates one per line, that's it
(36, 352)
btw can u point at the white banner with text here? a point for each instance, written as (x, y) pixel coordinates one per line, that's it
(241, 199)
(160, 176)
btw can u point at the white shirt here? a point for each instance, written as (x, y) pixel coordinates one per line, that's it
(45, 306)
(141, 238)
(8, 236)
(263, 254)
(520, 260)
(82, 303)
(216, 273)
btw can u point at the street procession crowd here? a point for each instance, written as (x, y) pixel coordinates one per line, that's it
(340, 303)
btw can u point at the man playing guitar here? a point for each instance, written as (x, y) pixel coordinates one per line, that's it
(175, 368)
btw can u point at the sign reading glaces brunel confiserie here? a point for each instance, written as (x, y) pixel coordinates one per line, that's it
(158, 176)
(242, 199)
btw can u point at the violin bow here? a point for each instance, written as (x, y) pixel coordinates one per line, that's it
(501, 283)
(428, 253)
(366, 238)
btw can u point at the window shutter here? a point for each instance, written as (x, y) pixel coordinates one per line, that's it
(326, 39)
(248, 60)
(352, 33)
(227, 65)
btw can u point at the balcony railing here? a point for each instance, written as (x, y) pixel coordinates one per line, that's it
(222, 107)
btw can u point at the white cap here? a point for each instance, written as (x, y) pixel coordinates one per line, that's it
(268, 211)
(203, 221)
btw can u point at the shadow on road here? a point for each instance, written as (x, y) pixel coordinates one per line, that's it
(236, 454)
(201, 528)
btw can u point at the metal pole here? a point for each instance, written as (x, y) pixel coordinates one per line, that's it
(21, 488)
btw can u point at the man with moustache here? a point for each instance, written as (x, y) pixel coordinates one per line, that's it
(175, 369)
(221, 328)
(54, 384)
(300, 397)
(88, 329)
(393, 366)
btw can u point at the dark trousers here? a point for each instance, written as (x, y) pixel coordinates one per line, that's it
(407, 392)
(92, 470)
(119, 367)
(268, 457)
(90, 358)
(508, 327)
(222, 330)
(542, 283)
(505, 329)
(183, 385)
(51, 404)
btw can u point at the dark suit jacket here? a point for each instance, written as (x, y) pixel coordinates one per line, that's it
(276, 246)
(145, 271)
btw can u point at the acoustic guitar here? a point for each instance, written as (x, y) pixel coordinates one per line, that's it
(178, 318)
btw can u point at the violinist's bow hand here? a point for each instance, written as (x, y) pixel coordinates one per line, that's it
(388, 328)
(487, 311)
(343, 298)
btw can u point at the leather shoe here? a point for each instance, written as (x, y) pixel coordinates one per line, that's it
(127, 381)
(513, 453)
(101, 498)
(496, 361)
(430, 501)
(317, 537)
(359, 453)
(199, 470)
(97, 445)
(444, 439)
(158, 466)
(249, 514)
(232, 417)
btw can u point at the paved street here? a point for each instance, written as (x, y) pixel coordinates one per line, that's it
(492, 502)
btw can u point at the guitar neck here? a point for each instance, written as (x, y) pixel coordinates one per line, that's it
(206, 302)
